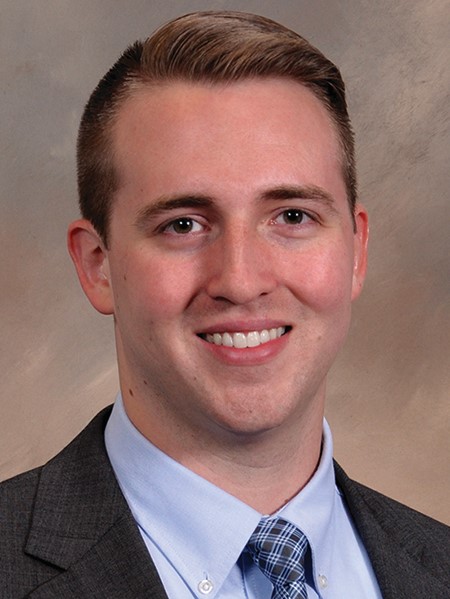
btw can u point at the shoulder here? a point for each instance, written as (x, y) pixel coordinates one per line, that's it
(18, 492)
(386, 510)
(39, 499)
(16, 500)
(18, 488)
(387, 525)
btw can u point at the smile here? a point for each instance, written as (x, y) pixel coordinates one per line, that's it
(241, 340)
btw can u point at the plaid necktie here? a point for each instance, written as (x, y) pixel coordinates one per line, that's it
(278, 548)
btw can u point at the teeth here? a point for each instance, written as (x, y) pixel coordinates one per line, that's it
(227, 340)
(264, 336)
(242, 340)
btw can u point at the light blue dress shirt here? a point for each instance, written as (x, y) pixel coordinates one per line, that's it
(195, 532)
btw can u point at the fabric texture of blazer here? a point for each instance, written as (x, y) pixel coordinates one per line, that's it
(66, 532)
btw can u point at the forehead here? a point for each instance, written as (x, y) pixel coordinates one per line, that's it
(236, 130)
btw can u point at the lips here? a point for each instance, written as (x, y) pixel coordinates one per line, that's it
(242, 340)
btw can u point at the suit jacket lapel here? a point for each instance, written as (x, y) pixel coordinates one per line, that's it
(404, 567)
(117, 567)
(82, 525)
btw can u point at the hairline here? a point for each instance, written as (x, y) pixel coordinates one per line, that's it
(140, 85)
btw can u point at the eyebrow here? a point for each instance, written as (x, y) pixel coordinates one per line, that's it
(301, 192)
(166, 204)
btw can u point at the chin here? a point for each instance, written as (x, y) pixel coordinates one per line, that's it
(255, 423)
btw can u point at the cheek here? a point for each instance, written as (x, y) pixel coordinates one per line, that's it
(323, 278)
(151, 288)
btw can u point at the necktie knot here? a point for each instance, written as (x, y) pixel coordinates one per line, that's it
(278, 548)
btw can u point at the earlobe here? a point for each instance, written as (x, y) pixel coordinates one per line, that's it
(361, 239)
(90, 258)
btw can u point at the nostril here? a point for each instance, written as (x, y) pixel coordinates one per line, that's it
(240, 290)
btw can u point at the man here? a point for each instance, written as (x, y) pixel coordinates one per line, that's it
(221, 229)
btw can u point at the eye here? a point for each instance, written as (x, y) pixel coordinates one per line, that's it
(292, 216)
(182, 226)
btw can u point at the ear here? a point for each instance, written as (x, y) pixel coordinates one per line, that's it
(90, 257)
(361, 238)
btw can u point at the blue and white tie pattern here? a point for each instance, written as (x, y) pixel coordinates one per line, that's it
(278, 548)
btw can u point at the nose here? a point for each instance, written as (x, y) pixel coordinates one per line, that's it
(240, 267)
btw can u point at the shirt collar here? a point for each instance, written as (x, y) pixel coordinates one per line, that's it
(200, 528)
(314, 509)
(186, 516)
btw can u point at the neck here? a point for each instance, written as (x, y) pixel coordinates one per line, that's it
(265, 476)
(264, 469)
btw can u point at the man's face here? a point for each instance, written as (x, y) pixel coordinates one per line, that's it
(230, 227)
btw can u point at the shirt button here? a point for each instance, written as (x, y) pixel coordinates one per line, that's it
(205, 586)
(323, 581)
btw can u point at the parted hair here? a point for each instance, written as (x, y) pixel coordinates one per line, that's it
(209, 47)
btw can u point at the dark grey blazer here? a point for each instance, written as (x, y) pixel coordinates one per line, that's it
(66, 532)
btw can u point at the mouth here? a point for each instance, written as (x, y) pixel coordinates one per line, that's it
(242, 340)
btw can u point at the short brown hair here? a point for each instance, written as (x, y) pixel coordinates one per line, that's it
(213, 47)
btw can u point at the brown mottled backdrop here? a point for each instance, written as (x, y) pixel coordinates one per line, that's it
(389, 393)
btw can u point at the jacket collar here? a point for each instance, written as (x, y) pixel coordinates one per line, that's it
(406, 564)
(81, 525)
